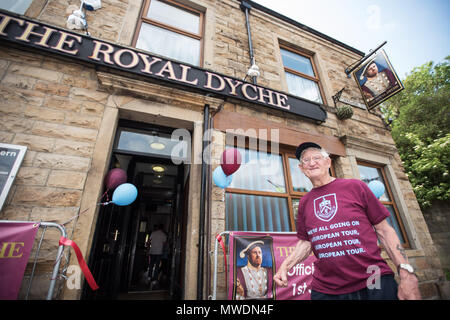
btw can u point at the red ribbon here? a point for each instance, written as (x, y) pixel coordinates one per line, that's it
(87, 273)
(219, 238)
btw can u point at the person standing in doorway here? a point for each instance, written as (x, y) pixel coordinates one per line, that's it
(340, 220)
(157, 240)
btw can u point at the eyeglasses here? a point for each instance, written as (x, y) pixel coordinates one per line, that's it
(315, 158)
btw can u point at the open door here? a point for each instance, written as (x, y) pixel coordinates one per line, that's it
(119, 257)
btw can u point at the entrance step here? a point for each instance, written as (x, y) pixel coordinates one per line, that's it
(145, 295)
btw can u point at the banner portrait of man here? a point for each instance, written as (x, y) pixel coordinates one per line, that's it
(377, 80)
(254, 272)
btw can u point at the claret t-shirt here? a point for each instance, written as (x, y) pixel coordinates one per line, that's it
(338, 220)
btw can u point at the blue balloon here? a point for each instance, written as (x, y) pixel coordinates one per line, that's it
(221, 179)
(377, 188)
(124, 194)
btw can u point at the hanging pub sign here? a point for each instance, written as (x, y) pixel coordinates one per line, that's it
(377, 80)
(11, 157)
(52, 39)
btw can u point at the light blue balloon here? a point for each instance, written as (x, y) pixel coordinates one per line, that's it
(377, 188)
(221, 179)
(124, 194)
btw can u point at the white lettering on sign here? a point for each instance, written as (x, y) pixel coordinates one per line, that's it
(8, 153)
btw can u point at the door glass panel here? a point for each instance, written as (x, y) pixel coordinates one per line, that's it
(156, 144)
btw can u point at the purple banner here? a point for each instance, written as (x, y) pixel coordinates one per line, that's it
(254, 260)
(16, 242)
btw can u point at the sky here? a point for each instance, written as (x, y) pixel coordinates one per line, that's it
(416, 31)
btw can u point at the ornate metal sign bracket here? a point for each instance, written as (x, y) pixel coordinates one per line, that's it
(355, 65)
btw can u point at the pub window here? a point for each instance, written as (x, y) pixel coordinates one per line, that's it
(371, 172)
(301, 76)
(170, 29)
(265, 192)
(16, 6)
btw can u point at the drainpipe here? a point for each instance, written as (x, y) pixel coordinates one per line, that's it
(245, 6)
(203, 191)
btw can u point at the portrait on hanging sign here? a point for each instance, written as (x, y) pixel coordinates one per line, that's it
(377, 80)
(253, 268)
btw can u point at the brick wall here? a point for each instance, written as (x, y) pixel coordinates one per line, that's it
(438, 221)
(52, 107)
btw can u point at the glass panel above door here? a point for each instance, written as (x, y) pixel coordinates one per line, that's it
(152, 143)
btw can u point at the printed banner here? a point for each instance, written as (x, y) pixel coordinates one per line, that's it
(16, 242)
(377, 80)
(255, 259)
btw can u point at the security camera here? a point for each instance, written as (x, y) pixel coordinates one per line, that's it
(253, 71)
(92, 5)
(76, 20)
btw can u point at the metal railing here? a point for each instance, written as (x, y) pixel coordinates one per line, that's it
(44, 225)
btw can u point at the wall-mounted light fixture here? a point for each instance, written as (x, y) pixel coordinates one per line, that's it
(158, 168)
(157, 144)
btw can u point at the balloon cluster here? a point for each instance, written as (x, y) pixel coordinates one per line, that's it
(229, 163)
(123, 193)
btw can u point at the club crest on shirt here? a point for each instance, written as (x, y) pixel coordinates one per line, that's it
(325, 207)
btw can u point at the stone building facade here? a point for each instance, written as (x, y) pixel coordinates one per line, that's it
(71, 113)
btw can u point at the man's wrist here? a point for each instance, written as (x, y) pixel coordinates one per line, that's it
(402, 273)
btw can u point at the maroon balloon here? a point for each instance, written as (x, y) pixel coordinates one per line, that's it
(230, 161)
(114, 178)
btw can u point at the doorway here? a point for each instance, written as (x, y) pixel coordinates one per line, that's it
(119, 258)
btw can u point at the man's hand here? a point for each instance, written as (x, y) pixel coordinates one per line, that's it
(280, 278)
(239, 289)
(301, 252)
(408, 289)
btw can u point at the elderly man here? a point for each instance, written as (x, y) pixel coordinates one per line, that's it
(339, 220)
(253, 280)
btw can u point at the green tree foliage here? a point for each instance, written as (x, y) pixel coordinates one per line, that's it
(420, 116)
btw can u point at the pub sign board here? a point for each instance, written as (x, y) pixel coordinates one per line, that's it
(11, 157)
(52, 39)
(377, 80)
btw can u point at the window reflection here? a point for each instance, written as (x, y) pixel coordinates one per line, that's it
(300, 182)
(173, 16)
(170, 44)
(392, 220)
(300, 76)
(369, 174)
(295, 203)
(259, 171)
(17, 6)
(297, 62)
